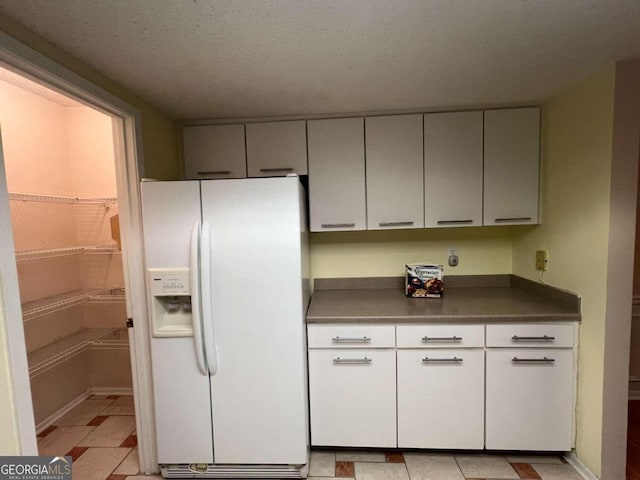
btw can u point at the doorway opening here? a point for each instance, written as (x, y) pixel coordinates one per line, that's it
(60, 162)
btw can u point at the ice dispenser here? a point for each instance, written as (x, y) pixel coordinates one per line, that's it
(171, 298)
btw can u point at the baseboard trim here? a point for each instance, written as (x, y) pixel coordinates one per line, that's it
(573, 460)
(47, 422)
(111, 391)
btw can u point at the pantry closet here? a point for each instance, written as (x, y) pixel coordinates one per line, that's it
(60, 166)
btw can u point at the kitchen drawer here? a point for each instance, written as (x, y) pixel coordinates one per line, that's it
(530, 335)
(440, 336)
(351, 336)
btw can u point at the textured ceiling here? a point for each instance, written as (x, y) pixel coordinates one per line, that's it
(250, 58)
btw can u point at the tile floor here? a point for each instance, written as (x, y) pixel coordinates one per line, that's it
(436, 466)
(100, 436)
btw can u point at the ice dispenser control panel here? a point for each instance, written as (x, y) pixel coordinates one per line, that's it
(172, 282)
(171, 302)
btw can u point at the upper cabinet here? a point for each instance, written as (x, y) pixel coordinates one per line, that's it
(214, 151)
(276, 148)
(394, 165)
(453, 169)
(511, 166)
(337, 199)
(447, 169)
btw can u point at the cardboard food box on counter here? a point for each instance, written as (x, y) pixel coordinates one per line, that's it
(424, 280)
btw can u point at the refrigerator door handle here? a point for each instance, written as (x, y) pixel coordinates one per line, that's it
(206, 253)
(195, 297)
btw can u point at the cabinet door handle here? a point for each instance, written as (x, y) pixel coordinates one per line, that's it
(453, 222)
(426, 339)
(338, 225)
(280, 169)
(513, 219)
(364, 339)
(347, 361)
(395, 224)
(452, 359)
(543, 338)
(214, 172)
(533, 360)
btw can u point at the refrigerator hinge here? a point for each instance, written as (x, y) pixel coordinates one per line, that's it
(129, 322)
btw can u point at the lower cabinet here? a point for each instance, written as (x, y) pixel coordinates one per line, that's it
(529, 399)
(441, 398)
(353, 397)
(442, 386)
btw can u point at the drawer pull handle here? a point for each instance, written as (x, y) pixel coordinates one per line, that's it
(513, 219)
(426, 339)
(543, 338)
(338, 225)
(395, 224)
(453, 222)
(282, 169)
(452, 359)
(351, 340)
(347, 361)
(533, 360)
(215, 172)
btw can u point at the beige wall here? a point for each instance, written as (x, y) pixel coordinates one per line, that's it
(482, 250)
(576, 173)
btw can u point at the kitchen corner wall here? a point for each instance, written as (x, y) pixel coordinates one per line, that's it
(482, 250)
(576, 187)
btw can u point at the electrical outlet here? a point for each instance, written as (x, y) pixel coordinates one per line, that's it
(542, 260)
(453, 257)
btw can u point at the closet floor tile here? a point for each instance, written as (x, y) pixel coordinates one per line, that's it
(118, 410)
(111, 433)
(62, 440)
(129, 465)
(85, 412)
(124, 401)
(98, 463)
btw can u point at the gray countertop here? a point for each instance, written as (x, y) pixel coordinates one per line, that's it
(521, 300)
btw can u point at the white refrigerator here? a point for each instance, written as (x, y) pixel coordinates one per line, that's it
(228, 283)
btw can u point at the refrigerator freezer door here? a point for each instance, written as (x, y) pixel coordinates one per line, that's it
(181, 391)
(259, 390)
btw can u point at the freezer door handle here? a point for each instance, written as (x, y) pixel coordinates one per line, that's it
(206, 256)
(195, 297)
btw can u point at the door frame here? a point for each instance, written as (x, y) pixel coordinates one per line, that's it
(31, 64)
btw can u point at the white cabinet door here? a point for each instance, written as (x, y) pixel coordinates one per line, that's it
(529, 399)
(453, 169)
(276, 148)
(214, 151)
(395, 184)
(441, 398)
(337, 199)
(511, 166)
(353, 397)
